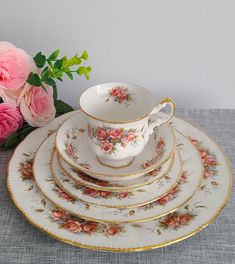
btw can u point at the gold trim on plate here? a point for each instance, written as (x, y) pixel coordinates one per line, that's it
(118, 189)
(109, 206)
(169, 242)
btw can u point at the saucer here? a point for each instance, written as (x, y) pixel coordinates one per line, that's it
(172, 199)
(120, 199)
(185, 222)
(106, 185)
(71, 144)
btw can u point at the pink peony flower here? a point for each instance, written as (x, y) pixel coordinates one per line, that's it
(101, 134)
(131, 137)
(15, 66)
(114, 133)
(106, 146)
(37, 106)
(10, 120)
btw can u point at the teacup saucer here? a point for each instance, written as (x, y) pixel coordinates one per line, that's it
(121, 199)
(106, 185)
(71, 144)
(173, 199)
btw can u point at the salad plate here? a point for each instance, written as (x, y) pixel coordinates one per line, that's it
(170, 199)
(71, 144)
(120, 199)
(115, 186)
(185, 222)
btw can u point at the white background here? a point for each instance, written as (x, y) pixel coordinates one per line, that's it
(184, 49)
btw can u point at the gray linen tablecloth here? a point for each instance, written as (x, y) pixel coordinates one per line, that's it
(20, 242)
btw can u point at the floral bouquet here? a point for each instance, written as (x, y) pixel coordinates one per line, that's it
(28, 92)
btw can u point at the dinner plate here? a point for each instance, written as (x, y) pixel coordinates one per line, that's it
(115, 186)
(186, 221)
(71, 144)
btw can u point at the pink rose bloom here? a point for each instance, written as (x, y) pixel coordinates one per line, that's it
(185, 218)
(15, 66)
(90, 227)
(101, 134)
(59, 215)
(106, 146)
(123, 195)
(165, 199)
(131, 137)
(115, 91)
(114, 133)
(210, 160)
(10, 120)
(73, 226)
(92, 192)
(37, 106)
(112, 230)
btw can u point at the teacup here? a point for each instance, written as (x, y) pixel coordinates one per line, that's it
(119, 119)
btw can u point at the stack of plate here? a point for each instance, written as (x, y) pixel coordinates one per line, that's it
(173, 189)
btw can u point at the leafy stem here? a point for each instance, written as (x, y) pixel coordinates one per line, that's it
(54, 68)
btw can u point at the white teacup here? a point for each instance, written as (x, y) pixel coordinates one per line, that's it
(120, 117)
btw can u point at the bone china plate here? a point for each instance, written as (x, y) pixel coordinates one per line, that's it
(71, 144)
(186, 221)
(145, 194)
(115, 186)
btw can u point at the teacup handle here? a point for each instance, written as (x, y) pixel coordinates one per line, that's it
(165, 102)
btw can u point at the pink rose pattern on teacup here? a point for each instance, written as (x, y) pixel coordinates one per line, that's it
(15, 66)
(159, 150)
(101, 194)
(77, 225)
(120, 95)
(10, 120)
(108, 138)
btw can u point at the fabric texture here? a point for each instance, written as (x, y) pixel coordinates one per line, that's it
(20, 242)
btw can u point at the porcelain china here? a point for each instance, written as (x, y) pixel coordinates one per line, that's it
(176, 196)
(121, 199)
(115, 186)
(186, 221)
(119, 118)
(72, 146)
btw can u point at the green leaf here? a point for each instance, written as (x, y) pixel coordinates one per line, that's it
(62, 108)
(84, 55)
(44, 88)
(24, 132)
(74, 61)
(88, 69)
(44, 70)
(58, 64)
(52, 83)
(45, 75)
(34, 79)
(82, 70)
(39, 60)
(70, 75)
(11, 141)
(87, 76)
(54, 55)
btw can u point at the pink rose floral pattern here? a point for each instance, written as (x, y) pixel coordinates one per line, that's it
(176, 220)
(159, 150)
(102, 194)
(62, 194)
(77, 225)
(169, 195)
(70, 148)
(120, 95)
(108, 138)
